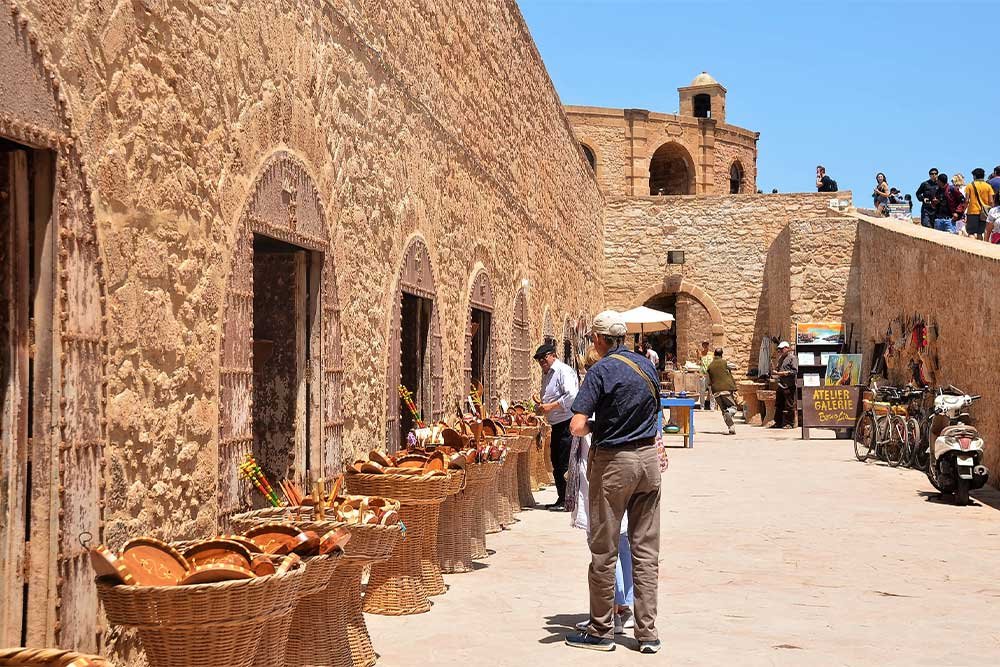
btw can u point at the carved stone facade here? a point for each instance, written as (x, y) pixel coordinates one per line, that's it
(339, 132)
(638, 152)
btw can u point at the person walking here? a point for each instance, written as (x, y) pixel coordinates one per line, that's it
(949, 205)
(653, 357)
(784, 403)
(620, 391)
(995, 184)
(979, 198)
(559, 387)
(926, 194)
(723, 387)
(577, 492)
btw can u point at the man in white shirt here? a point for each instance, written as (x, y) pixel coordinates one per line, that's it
(653, 357)
(559, 387)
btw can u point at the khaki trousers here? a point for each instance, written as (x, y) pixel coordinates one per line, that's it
(626, 478)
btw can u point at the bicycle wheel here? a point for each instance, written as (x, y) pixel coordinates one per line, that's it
(922, 452)
(896, 443)
(864, 436)
(912, 441)
(881, 437)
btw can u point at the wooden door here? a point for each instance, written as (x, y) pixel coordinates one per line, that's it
(520, 351)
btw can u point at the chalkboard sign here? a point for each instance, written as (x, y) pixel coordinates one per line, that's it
(830, 407)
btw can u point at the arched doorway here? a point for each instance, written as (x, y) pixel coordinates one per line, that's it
(415, 359)
(480, 341)
(671, 171)
(697, 318)
(548, 329)
(53, 386)
(280, 369)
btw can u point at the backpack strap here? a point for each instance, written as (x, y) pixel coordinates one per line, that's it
(635, 367)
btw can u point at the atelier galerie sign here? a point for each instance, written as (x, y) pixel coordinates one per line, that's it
(830, 407)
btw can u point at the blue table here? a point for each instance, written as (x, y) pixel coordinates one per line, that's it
(682, 413)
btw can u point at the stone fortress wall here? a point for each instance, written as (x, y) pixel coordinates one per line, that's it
(746, 262)
(388, 122)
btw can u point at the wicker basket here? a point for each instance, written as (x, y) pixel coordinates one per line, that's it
(491, 504)
(459, 520)
(480, 513)
(538, 472)
(48, 657)
(205, 625)
(525, 494)
(399, 585)
(507, 488)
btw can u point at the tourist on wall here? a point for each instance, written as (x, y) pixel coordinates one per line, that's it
(949, 205)
(993, 224)
(577, 494)
(927, 194)
(559, 387)
(786, 371)
(823, 182)
(880, 195)
(979, 198)
(958, 182)
(620, 392)
(723, 387)
(995, 184)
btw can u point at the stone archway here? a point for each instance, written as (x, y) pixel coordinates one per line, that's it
(697, 315)
(280, 349)
(53, 382)
(671, 171)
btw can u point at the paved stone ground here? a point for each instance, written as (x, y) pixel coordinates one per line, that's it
(775, 552)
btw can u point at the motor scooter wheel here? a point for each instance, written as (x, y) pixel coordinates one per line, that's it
(962, 492)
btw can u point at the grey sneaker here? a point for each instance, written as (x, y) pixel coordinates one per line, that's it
(732, 431)
(583, 640)
(650, 647)
(627, 619)
(619, 625)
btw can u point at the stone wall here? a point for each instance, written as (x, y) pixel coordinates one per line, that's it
(411, 119)
(738, 252)
(951, 284)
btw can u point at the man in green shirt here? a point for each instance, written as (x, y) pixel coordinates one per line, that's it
(723, 388)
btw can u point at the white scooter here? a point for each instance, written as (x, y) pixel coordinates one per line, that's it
(956, 455)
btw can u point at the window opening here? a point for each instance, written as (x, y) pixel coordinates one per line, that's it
(591, 158)
(702, 105)
(735, 179)
(481, 339)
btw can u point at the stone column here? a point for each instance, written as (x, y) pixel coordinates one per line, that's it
(636, 132)
(682, 324)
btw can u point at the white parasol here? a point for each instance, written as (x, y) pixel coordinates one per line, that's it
(643, 320)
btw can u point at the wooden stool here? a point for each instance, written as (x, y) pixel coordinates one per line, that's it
(767, 398)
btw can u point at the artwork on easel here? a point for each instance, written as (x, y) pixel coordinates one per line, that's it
(819, 333)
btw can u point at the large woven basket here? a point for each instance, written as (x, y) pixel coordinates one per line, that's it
(458, 521)
(205, 625)
(345, 641)
(507, 488)
(493, 502)
(402, 584)
(525, 494)
(371, 544)
(485, 477)
(48, 657)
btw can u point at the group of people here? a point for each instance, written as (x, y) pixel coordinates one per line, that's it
(605, 432)
(970, 209)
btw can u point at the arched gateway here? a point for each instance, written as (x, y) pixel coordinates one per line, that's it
(697, 318)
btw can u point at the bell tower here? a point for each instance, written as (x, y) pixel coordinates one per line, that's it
(704, 98)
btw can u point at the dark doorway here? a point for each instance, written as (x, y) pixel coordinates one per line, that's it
(664, 342)
(591, 158)
(482, 322)
(283, 304)
(26, 319)
(415, 363)
(735, 179)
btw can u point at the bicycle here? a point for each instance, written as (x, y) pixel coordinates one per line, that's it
(881, 428)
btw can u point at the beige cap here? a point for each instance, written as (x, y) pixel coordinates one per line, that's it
(609, 323)
(783, 344)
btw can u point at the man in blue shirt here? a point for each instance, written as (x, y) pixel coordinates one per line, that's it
(621, 392)
(559, 386)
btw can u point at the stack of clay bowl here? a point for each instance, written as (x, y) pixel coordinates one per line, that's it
(420, 480)
(331, 631)
(48, 657)
(219, 606)
(462, 530)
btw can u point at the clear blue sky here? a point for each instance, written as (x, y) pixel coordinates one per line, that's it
(859, 87)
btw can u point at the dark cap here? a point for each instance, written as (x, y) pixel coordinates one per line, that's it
(544, 350)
